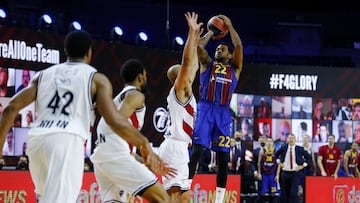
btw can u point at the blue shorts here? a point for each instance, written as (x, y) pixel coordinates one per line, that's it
(269, 186)
(212, 126)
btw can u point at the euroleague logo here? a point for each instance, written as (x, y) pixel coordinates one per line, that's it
(343, 194)
(160, 118)
(340, 195)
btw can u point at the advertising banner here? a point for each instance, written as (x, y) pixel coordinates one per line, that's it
(17, 186)
(330, 190)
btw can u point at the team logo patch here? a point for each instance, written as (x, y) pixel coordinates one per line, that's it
(160, 118)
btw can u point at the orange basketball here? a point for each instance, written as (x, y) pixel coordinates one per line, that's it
(217, 25)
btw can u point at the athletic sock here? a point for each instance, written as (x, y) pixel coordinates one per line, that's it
(220, 193)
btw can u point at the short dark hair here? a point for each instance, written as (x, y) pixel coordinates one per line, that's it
(130, 69)
(230, 48)
(77, 43)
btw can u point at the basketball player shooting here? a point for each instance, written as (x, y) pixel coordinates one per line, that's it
(218, 80)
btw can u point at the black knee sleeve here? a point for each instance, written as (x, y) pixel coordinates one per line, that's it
(222, 159)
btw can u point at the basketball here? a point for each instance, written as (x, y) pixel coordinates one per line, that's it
(217, 25)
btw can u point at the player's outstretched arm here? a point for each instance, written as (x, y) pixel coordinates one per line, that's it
(189, 65)
(203, 55)
(236, 41)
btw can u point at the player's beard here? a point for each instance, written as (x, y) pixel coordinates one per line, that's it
(220, 60)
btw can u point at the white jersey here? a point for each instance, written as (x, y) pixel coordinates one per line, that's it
(110, 143)
(182, 118)
(137, 118)
(63, 101)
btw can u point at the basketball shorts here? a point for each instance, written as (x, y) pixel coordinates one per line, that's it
(175, 153)
(212, 127)
(56, 164)
(269, 186)
(121, 176)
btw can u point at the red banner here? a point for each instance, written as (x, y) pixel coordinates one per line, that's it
(203, 189)
(329, 190)
(17, 186)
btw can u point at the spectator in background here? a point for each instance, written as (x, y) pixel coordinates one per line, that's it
(357, 131)
(25, 80)
(317, 113)
(285, 130)
(303, 128)
(247, 107)
(344, 112)
(322, 133)
(264, 110)
(356, 111)
(329, 158)
(331, 115)
(23, 163)
(9, 144)
(29, 118)
(245, 130)
(266, 130)
(342, 133)
(281, 114)
(283, 133)
(17, 121)
(302, 113)
(5, 91)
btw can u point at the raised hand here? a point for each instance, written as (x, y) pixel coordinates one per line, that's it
(227, 20)
(191, 19)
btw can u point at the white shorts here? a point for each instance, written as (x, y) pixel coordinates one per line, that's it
(125, 175)
(175, 153)
(56, 164)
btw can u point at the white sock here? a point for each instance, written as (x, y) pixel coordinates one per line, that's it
(220, 193)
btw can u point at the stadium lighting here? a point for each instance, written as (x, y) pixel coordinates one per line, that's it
(45, 22)
(2, 14)
(75, 25)
(178, 43)
(116, 34)
(141, 38)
